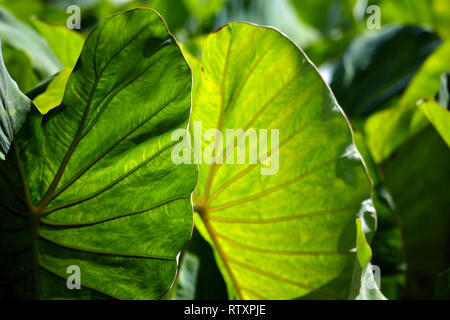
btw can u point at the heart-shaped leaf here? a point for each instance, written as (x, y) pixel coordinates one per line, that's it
(282, 223)
(91, 184)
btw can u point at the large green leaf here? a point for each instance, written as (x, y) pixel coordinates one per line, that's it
(22, 37)
(92, 183)
(287, 233)
(14, 107)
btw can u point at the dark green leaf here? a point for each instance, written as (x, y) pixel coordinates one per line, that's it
(199, 277)
(418, 177)
(367, 77)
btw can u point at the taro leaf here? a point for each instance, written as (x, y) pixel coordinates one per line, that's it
(278, 232)
(388, 129)
(367, 77)
(14, 107)
(22, 37)
(93, 184)
(418, 178)
(439, 117)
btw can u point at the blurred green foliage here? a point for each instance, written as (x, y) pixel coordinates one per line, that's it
(378, 76)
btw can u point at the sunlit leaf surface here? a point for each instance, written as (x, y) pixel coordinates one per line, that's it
(288, 232)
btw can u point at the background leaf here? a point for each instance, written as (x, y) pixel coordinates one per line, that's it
(65, 43)
(22, 37)
(366, 78)
(418, 178)
(14, 106)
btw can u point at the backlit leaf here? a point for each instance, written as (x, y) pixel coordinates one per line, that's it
(92, 183)
(282, 227)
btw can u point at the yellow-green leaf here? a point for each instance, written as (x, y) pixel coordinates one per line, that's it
(282, 226)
